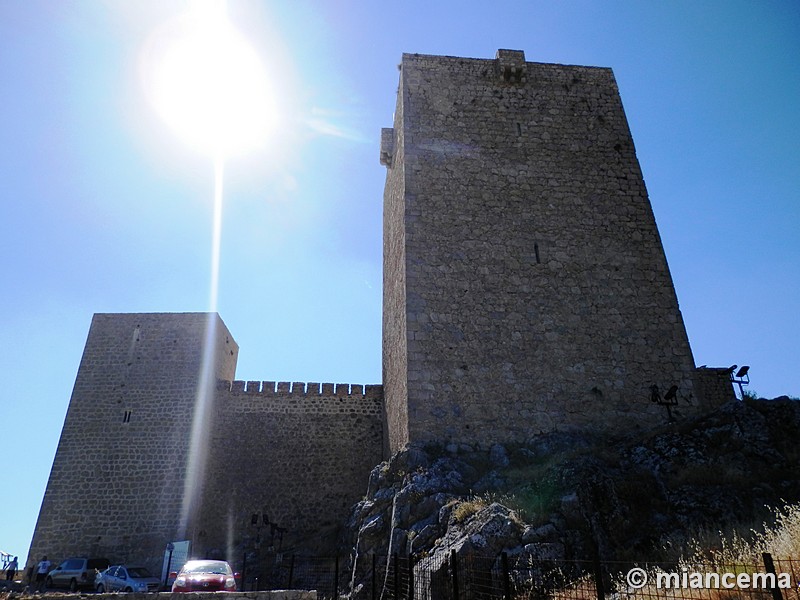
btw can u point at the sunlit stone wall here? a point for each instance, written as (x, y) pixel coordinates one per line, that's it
(395, 348)
(526, 288)
(116, 485)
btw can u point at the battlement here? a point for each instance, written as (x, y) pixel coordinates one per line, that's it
(286, 389)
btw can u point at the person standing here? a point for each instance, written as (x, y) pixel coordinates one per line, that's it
(41, 573)
(11, 569)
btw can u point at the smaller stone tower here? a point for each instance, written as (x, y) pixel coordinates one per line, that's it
(133, 471)
(117, 483)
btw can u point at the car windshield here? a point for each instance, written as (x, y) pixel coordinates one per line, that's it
(218, 567)
(138, 572)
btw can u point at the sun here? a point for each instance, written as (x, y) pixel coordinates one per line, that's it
(209, 84)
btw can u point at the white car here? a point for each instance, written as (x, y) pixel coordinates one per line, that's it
(119, 578)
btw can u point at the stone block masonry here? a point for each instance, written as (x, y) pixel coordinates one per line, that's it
(525, 291)
(525, 285)
(299, 452)
(116, 485)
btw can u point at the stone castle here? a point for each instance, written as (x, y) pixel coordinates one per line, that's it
(525, 291)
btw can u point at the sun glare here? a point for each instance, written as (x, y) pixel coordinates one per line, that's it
(207, 82)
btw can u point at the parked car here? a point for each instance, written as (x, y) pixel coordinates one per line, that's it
(121, 578)
(76, 573)
(205, 576)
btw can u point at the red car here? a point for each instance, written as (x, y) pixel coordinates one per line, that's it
(205, 576)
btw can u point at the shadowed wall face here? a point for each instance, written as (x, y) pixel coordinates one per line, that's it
(526, 285)
(299, 453)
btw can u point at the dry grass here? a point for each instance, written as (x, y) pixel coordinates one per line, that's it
(464, 509)
(736, 554)
(781, 539)
(708, 554)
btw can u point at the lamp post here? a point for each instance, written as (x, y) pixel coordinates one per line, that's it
(742, 378)
(170, 549)
(670, 399)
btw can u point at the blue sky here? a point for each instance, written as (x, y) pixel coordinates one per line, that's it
(102, 209)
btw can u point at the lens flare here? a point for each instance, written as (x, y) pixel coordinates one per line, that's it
(208, 83)
(198, 445)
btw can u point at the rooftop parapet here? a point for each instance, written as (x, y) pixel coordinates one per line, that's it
(511, 64)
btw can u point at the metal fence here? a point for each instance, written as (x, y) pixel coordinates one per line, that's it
(453, 577)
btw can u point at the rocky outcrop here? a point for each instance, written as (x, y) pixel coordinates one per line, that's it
(573, 496)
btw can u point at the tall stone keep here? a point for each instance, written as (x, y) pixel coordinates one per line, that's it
(525, 284)
(116, 488)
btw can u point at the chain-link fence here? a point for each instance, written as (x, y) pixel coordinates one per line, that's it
(470, 577)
